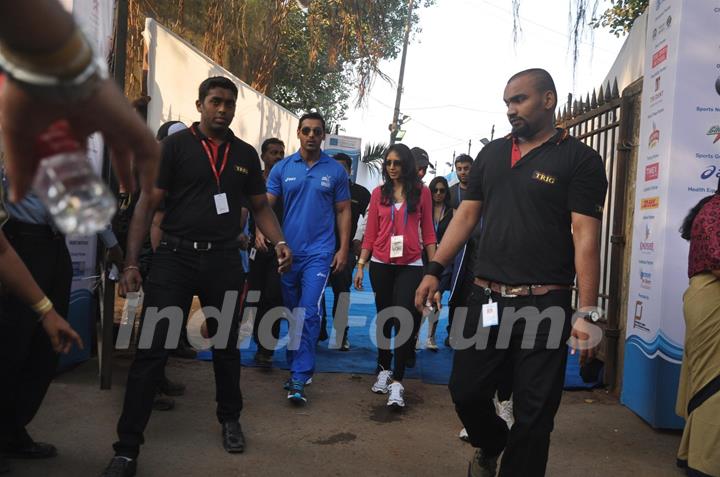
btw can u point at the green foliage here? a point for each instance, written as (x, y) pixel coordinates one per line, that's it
(314, 59)
(373, 157)
(619, 18)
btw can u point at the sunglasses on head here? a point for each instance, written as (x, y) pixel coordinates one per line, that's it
(307, 130)
(439, 190)
(396, 163)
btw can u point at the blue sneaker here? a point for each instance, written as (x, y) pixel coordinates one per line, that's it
(296, 392)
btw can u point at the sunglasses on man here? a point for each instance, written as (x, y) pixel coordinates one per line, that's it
(307, 130)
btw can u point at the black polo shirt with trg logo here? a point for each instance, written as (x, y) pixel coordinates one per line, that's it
(186, 175)
(526, 237)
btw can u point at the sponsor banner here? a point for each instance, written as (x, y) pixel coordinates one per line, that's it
(680, 144)
(352, 146)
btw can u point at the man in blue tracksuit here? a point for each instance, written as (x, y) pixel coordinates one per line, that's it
(315, 194)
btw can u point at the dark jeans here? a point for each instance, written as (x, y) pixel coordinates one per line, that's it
(175, 277)
(27, 360)
(340, 283)
(538, 375)
(264, 277)
(395, 285)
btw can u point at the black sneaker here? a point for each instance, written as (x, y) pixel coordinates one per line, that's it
(120, 467)
(233, 437)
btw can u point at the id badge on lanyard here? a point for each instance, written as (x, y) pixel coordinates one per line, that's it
(397, 241)
(396, 246)
(221, 201)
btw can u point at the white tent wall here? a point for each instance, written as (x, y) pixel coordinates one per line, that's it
(176, 69)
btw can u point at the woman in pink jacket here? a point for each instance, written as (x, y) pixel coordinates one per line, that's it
(399, 226)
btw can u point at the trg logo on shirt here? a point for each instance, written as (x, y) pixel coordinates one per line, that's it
(241, 170)
(289, 179)
(542, 177)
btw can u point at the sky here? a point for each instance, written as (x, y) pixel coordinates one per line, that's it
(457, 68)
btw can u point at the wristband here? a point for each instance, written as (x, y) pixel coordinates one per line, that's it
(66, 61)
(435, 269)
(70, 74)
(131, 267)
(282, 242)
(42, 307)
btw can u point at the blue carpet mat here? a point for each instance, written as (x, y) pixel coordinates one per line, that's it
(431, 367)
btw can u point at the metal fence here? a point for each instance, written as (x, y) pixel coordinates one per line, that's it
(605, 121)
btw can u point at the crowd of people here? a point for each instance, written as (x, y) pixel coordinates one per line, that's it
(517, 232)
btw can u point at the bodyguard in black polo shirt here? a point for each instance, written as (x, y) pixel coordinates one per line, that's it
(206, 174)
(541, 193)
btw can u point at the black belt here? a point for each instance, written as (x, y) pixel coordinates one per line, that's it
(199, 246)
(14, 226)
(512, 291)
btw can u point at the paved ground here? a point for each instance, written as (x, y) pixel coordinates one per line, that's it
(345, 431)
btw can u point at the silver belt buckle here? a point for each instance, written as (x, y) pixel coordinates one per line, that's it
(196, 247)
(504, 294)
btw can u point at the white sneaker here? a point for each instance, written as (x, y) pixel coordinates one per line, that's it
(395, 399)
(431, 345)
(504, 409)
(464, 435)
(383, 380)
(418, 344)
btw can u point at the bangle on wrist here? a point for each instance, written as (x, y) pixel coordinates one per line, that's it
(42, 307)
(434, 268)
(131, 267)
(282, 242)
(361, 262)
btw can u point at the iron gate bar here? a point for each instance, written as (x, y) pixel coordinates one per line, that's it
(603, 125)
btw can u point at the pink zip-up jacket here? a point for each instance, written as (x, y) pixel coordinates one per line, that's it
(380, 228)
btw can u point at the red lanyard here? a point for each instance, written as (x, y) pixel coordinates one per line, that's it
(213, 161)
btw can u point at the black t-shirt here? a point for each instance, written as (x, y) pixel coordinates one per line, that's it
(359, 201)
(526, 236)
(456, 195)
(186, 175)
(278, 210)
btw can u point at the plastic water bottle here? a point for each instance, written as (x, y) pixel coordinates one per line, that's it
(78, 200)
